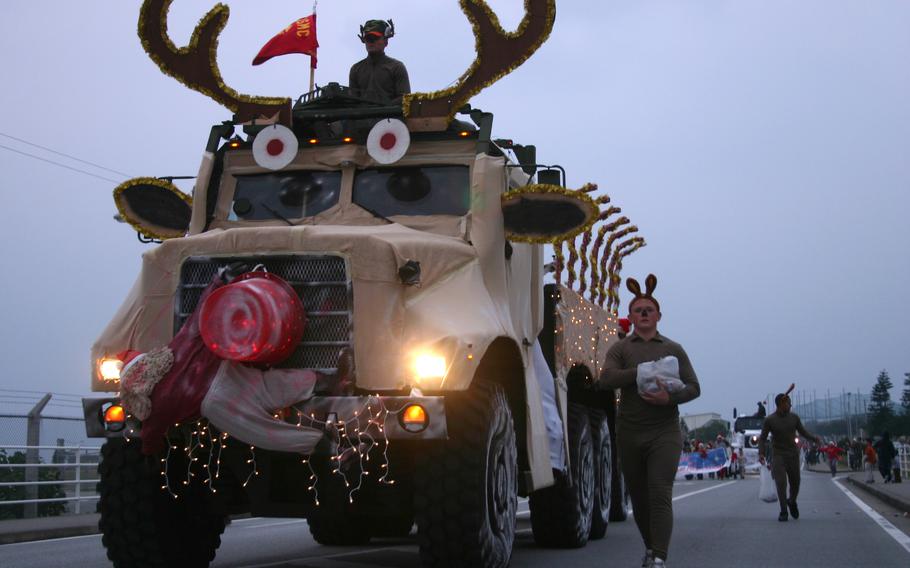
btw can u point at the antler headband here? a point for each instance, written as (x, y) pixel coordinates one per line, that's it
(650, 284)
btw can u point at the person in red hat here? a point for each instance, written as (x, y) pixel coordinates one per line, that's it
(378, 76)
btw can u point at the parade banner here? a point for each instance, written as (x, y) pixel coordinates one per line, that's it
(694, 463)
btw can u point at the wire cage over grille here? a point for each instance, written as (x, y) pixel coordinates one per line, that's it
(321, 283)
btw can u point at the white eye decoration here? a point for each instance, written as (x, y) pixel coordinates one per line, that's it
(275, 147)
(388, 141)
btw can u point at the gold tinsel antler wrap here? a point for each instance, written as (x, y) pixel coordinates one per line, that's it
(585, 243)
(598, 242)
(605, 258)
(560, 259)
(196, 64)
(615, 276)
(498, 53)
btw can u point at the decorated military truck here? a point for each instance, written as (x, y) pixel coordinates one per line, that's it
(432, 376)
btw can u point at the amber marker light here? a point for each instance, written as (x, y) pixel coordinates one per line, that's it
(414, 418)
(314, 140)
(464, 133)
(114, 418)
(347, 139)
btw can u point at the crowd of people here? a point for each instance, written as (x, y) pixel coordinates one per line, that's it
(869, 455)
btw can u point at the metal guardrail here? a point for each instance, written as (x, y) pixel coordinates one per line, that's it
(903, 460)
(78, 497)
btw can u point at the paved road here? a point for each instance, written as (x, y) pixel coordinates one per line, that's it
(717, 524)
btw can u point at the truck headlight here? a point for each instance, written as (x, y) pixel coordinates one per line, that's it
(109, 369)
(429, 366)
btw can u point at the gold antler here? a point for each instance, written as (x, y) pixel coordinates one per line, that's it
(195, 65)
(498, 53)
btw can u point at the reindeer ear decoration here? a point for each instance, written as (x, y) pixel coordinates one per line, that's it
(633, 286)
(154, 207)
(543, 213)
(650, 284)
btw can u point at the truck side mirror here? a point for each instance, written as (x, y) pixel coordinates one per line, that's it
(155, 207)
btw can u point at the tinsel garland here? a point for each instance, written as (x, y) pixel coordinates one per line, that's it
(560, 262)
(613, 291)
(455, 104)
(570, 264)
(216, 17)
(604, 215)
(596, 276)
(136, 224)
(614, 306)
(605, 257)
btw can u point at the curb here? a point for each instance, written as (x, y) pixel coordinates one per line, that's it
(48, 533)
(895, 502)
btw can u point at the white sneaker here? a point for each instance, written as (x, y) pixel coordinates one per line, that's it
(658, 563)
(648, 559)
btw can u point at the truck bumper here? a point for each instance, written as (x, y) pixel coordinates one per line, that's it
(353, 411)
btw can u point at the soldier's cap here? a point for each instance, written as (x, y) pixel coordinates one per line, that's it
(377, 28)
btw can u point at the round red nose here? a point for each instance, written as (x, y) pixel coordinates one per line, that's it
(388, 140)
(274, 147)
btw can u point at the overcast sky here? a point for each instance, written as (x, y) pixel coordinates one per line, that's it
(761, 148)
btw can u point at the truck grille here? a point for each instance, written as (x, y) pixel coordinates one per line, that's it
(320, 281)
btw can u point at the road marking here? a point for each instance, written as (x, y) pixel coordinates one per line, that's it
(98, 535)
(712, 488)
(278, 524)
(884, 523)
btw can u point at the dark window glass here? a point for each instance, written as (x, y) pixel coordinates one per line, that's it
(291, 195)
(430, 190)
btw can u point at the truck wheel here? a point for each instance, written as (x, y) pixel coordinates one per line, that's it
(603, 473)
(337, 528)
(561, 514)
(466, 494)
(142, 526)
(392, 527)
(621, 503)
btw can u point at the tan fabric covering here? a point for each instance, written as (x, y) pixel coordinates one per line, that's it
(469, 293)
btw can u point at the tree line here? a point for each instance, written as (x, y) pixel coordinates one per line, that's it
(883, 413)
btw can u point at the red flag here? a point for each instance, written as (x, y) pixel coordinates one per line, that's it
(299, 37)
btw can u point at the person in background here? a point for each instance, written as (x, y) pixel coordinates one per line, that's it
(833, 452)
(647, 425)
(783, 426)
(869, 460)
(886, 452)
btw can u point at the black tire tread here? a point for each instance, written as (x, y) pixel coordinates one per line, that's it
(142, 526)
(603, 459)
(450, 491)
(558, 517)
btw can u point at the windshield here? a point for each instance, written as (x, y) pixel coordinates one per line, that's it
(286, 195)
(748, 423)
(430, 190)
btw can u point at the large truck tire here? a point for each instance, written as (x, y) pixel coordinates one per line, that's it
(338, 529)
(561, 514)
(620, 503)
(603, 473)
(466, 489)
(142, 526)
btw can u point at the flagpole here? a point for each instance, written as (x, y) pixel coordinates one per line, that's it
(312, 70)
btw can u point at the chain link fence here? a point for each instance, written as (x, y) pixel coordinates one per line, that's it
(48, 466)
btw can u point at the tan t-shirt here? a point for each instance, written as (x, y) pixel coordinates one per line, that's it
(621, 370)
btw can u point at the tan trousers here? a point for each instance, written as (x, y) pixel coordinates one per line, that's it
(650, 458)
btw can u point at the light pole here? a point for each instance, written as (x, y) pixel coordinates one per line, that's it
(849, 424)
